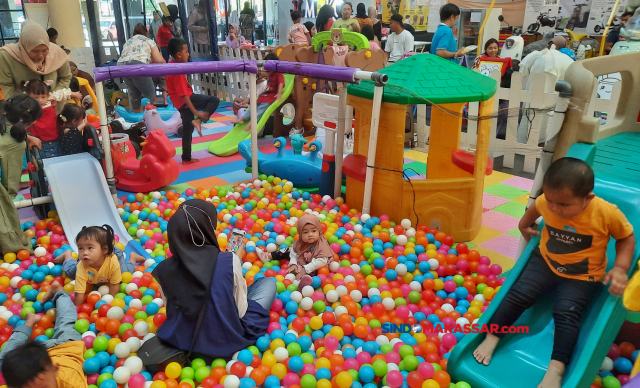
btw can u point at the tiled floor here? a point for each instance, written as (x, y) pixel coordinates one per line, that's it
(505, 196)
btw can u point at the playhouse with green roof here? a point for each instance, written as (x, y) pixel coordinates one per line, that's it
(451, 196)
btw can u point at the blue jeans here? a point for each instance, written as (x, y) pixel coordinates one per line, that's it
(69, 266)
(50, 149)
(63, 332)
(263, 292)
(261, 109)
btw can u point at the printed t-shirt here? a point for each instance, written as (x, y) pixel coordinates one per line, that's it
(298, 32)
(109, 273)
(177, 87)
(576, 248)
(269, 94)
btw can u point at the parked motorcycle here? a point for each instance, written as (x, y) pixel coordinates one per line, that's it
(543, 20)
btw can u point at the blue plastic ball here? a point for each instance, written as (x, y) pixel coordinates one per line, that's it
(91, 366)
(245, 356)
(296, 364)
(623, 365)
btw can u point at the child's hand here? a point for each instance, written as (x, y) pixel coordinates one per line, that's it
(292, 268)
(202, 116)
(34, 142)
(136, 258)
(278, 96)
(76, 96)
(300, 274)
(529, 232)
(618, 279)
(66, 130)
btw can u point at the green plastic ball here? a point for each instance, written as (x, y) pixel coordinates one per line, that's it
(187, 373)
(294, 349)
(308, 381)
(81, 325)
(218, 362)
(610, 382)
(319, 306)
(411, 362)
(380, 367)
(202, 373)
(103, 377)
(100, 344)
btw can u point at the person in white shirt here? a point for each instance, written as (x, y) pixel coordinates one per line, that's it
(399, 41)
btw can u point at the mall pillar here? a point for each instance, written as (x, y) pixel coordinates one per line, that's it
(65, 17)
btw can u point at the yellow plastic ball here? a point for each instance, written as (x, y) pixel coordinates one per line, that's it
(69, 288)
(173, 370)
(10, 257)
(316, 323)
(431, 383)
(276, 343)
(118, 303)
(279, 370)
(323, 362)
(344, 379)
(127, 277)
(269, 359)
(337, 332)
(113, 342)
(438, 284)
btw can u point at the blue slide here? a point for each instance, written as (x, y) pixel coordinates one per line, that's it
(521, 360)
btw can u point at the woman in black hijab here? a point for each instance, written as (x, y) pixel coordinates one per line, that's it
(201, 283)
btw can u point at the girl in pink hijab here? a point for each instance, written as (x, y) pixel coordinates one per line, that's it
(309, 253)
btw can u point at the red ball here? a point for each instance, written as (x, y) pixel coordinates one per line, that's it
(238, 368)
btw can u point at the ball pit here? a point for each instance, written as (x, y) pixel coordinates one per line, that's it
(616, 367)
(327, 335)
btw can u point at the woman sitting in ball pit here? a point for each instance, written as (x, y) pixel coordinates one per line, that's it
(199, 278)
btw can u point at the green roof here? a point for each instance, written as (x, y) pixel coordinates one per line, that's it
(424, 78)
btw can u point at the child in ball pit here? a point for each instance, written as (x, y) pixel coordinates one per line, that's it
(571, 259)
(55, 363)
(98, 263)
(70, 264)
(308, 254)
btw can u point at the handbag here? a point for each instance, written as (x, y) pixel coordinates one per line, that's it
(157, 354)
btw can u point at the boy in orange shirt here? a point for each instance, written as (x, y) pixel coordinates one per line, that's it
(570, 259)
(56, 363)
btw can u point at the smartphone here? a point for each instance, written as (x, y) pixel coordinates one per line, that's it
(235, 240)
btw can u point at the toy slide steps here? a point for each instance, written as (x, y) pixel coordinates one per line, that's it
(82, 198)
(228, 145)
(521, 359)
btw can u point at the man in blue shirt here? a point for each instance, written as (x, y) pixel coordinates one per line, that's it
(443, 43)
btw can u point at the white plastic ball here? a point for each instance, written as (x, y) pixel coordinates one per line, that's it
(148, 263)
(40, 251)
(88, 333)
(232, 381)
(447, 307)
(12, 267)
(356, 295)
(382, 340)
(434, 264)
(16, 297)
(228, 366)
(227, 217)
(234, 357)
(271, 247)
(607, 364)
(406, 223)
(480, 298)
(120, 211)
(410, 232)
(158, 301)
(121, 375)
(355, 268)
(342, 291)
(108, 298)
(401, 269)
(257, 183)
(326, 198)
(358, 228)
(103, 290)
(122, 350)
(296, 296)
(415, 286)
(389, 304)
(281, 354)
(2, 309)
(462, 322)
(137, 303)
(156, 195)
(392, 366)
(280, 239)
(142, 328)
(131, 287)
(250, 244)
(6, 315)
(136, 212)
(153, 206)
(402, 240)
(14, 281)
(248, 371)
(134, 343)
(373, 292)
(116, 313)
(306, 303)
(349, 279)
(341, 310)
(475, 321)
(290, 277)
(365, 217)
(332, 296)
(137, 274)
(333, 266)
(307, 291)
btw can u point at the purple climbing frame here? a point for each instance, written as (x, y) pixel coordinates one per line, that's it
(337, 73)
(160, 70)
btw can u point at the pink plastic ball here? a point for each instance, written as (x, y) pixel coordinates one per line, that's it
(449, 340)
(278, 228)
(352, 363)
(422, 257)
(308, 369)
(440, 271)
(426, 370)
(317, 295)
(189, 192)
(55, 239)
(394, 379)
(614, 352)
(289, 380)
(88, 341)
(335, 247)
(413, 308)
(128, 319)
(483, 269)
(150, 244)
(484, 260)
(402, 312)
(406, 289)
(25, 265)
(93, 379)
(393, 357)
(496, 269)
(623, 379)
(462, 265)
(331, 343)
(41, 233)
(450, 286)
(426, 311)
(363, 358)
(330, 203)
(384, 287)
(448, 322)
(136, 381)
(273, 326)
(277, 305)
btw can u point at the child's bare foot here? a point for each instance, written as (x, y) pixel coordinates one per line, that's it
(553, 377)
(32, 320)
(197, 123)
(238, 121)
(53, 290)
(484, 351)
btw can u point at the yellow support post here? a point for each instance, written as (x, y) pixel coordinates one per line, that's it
(606, 29)
(485, 22)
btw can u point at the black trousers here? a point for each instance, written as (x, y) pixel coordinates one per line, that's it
(207, 104)
(573, 296)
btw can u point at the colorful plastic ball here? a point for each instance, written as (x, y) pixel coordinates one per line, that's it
(610, 382)
(91, 366)
(623, 365)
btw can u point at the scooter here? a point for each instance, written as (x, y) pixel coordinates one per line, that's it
(599, 27)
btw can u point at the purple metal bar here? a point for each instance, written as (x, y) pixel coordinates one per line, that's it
(160, 70)
(337, 73)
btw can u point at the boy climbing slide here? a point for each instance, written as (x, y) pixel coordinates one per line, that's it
(571, 260)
